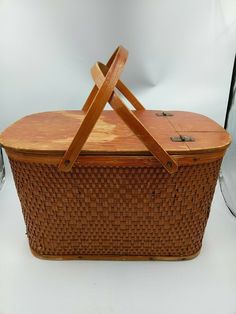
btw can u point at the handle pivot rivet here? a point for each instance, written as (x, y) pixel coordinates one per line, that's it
(66, 162)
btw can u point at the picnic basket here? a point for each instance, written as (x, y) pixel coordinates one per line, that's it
(115, 184)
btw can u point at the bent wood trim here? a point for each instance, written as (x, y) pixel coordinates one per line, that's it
(120, 86)
(99, 74)
(95, 109)
(114, 160)
(115, 257)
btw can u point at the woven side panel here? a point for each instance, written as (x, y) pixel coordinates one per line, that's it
(96, 210)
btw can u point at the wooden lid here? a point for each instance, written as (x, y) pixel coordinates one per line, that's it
(52, 133)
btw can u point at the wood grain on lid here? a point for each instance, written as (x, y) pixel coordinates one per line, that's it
(53, 132)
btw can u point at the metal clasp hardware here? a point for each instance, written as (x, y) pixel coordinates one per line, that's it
(182, 138)
(164, 114)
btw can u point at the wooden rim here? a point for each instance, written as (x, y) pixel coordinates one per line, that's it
(114, 257)
(116, 160)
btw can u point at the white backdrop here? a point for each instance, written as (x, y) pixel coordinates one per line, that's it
(181, 57)
(181, 52)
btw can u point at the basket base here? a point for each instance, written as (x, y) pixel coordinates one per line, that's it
(114, 257)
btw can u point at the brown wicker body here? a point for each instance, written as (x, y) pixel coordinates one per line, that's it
(116, 184)
(115, 211)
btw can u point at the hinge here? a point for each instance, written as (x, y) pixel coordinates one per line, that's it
(182, 138)
(164, 114)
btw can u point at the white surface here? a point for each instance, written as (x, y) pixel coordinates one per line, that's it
(28, 285)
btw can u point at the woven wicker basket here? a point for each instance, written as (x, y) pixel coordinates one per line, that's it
(116, 184)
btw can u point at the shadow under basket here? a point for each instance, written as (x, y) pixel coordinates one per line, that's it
(122, 184)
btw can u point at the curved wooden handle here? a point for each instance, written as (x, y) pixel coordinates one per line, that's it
(98, 102)
(99, 72)
(120, 86)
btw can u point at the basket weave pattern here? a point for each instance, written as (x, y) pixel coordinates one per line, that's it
(115, 210)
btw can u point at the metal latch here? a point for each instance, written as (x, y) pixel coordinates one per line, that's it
(164, 114)
(182, 138)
